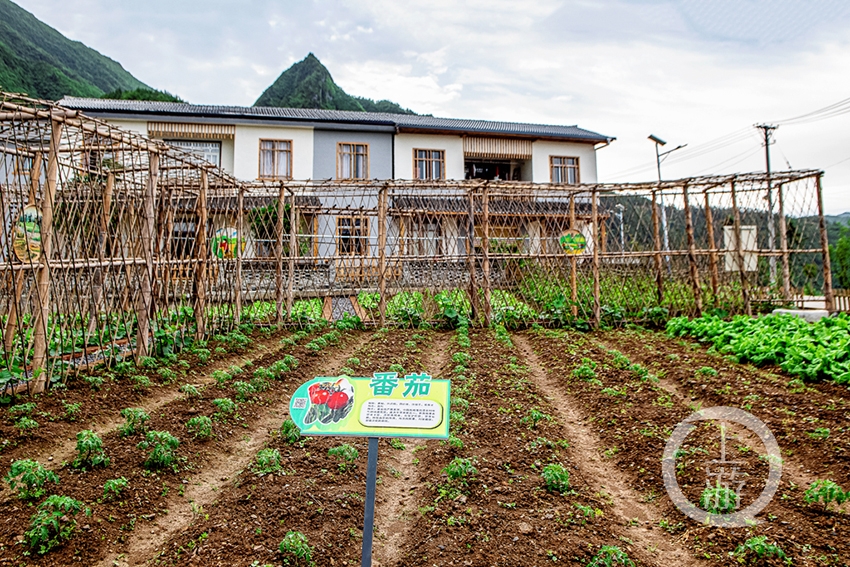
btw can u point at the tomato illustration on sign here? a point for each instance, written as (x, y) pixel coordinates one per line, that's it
(573, 242)
(330, 402)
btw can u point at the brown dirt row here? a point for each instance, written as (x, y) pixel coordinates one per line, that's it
(112, 524)
(794, 414)
(506, 517)
(315, 496)
(634, 418)
(54, 439)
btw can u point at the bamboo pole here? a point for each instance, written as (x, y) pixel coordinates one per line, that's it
(692, 251)
(202, 247)
(97, 292)
(12, 320)
(485, 253)
(739, 253)
(42, 314)
(281, 210)
(240, 237)
(712, 249)
(573, 261)
(783, 245)
(656, 232)
(382, 253)
(828, 294)
(144, 303)
(597, 300)
(470, 256)
(293, 253)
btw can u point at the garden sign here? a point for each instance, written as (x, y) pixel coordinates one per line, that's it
(383, 405)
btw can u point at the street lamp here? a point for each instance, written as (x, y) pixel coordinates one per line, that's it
(658, 159)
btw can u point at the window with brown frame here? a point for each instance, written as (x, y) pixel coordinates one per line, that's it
(352, 161)
(352, 236)
(564, 169)
(429, 164)
(275, 159)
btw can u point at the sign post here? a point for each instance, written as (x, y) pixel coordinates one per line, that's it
(383, 405)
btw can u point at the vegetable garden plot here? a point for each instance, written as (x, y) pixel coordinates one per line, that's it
(147, 494)
(636, 428)
(810, 420)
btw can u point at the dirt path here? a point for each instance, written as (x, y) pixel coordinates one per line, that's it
(587, 449)
(205, 487)
(395, 507)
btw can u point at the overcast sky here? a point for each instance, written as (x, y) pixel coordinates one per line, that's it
(688, 71)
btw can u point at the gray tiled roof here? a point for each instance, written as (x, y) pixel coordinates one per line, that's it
(174, 109)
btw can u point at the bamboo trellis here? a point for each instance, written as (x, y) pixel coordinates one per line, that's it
(144, 248)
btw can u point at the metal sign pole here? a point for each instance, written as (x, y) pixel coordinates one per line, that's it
(369, 514)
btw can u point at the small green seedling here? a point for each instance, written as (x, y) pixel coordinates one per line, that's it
(757, 548)
(460, 470)
(268, 462)
(94, 382)
(534, 417)
(26, 424)
(819, 433)
(296, 547)
(200, 426)
(586, 370)
(135, 421)
(346, 454)
(611, 556)
(53, 523)
(290, 432)
(163, 450)
(225, 406)
(190, 390)
(29, 478)
(140, 382)
(707, 371)
(113, 488)
(22, 409)
(826, 492)
(72, 411)
(168, 375)
(718, 500)
(90, 453)
(556, 478)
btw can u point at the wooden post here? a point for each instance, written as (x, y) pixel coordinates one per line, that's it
(783, 245)
(597, 300)
(382, 253)
(692, 252)
(739, 253)
(240, 237)
(712, 248)
(202, 248)
(144, 302)
(485, 252)
(828, 294)
(573, 261)
(470, 255)
(97, 292)
(42, 313)
(12, 320)
(281, 210)
(293, 253)
(656, 232)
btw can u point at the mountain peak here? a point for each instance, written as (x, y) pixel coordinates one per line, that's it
(309, 84)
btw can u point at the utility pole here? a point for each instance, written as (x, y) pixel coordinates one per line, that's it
(767, 133)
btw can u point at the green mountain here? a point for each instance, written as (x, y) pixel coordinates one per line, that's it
(308, 84)
(38, 60)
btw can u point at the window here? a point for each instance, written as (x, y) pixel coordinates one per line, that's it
(426, 237)
(429, 164)
(183, 238)
(564, 169)
(352, 161)
(23, 165)
(352, 235)
(207, 151)
(275, 159)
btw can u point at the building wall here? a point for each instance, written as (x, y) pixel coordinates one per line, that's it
(540, 152)
(325, 150)
(138, 126)
(246, 153)
(406, 143)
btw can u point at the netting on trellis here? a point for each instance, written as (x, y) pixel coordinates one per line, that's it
(115, 245)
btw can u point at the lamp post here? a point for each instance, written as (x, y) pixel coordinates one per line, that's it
(658, 159)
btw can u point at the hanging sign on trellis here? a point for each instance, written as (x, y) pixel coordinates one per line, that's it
(573, 242)
(26, 240)
(383, 405)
